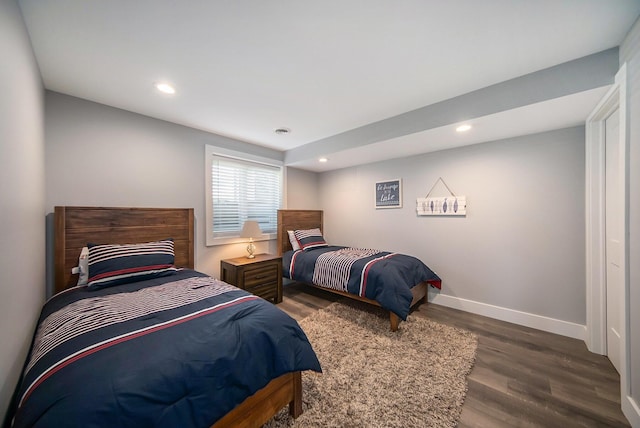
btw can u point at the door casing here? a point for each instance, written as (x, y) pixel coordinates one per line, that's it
(595, 200)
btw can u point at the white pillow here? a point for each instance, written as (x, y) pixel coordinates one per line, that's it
(293, 240)
(83, 267)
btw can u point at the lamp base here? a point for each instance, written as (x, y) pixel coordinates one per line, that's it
(251, 249)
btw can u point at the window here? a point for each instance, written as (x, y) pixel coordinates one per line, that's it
(240, 187)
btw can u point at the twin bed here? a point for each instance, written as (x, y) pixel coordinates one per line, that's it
(174, 348)
(394, 281)
(148, 341)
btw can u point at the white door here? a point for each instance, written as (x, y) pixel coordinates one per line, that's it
(613, 230)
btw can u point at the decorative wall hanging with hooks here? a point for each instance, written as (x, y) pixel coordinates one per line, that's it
(442, 205)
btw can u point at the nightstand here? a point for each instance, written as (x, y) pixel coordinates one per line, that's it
(261, 275)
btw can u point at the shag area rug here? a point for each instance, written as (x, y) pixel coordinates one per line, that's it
(372, 377)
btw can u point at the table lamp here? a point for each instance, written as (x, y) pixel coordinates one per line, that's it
(250, 229)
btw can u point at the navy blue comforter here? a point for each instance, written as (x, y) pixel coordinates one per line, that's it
(382, 276)
(178, 351)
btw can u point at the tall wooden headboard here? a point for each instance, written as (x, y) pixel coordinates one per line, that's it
(75, 227)
(296, 219)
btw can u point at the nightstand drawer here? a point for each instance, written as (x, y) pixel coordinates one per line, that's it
(260, 275)
(267, 291)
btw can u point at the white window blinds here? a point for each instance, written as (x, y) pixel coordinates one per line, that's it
(243, 190)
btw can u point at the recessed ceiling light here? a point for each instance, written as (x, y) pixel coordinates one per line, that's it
(165, 88)
(463, 128)
(282, 131)
(323, 160)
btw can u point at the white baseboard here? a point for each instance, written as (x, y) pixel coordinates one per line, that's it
(551, 325)
(631, 411)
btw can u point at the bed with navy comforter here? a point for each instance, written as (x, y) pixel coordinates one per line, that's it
(176, 351)
(382, 276)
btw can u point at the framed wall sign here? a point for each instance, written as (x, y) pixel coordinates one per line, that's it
(389, 193)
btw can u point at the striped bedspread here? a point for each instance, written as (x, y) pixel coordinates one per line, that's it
(88, 315)
(172, 351)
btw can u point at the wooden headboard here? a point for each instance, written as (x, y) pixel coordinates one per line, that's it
(75, 227)
(296, 219)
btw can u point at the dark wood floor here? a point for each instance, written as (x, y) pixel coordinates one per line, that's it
(521, 378)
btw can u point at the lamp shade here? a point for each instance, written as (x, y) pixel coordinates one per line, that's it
(250, 229)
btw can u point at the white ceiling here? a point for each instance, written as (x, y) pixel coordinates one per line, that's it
(244, 68)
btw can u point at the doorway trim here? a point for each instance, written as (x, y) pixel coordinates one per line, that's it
(596, 296)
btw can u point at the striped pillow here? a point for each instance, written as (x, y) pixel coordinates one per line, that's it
(310, 238)
(116, 264)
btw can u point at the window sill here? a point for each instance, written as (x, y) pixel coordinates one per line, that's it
(212, 242)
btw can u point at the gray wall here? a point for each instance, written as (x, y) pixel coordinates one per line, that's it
(521, 245)
(302, 190)
(630, 53)
(99, 155)
(21, 197)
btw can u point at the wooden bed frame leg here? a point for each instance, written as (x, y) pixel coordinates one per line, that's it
(295, 406)
(395, 321)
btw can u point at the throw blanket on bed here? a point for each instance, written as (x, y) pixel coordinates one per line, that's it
(88, 315)
(378, 275)
(172, 351)
(333, 269)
